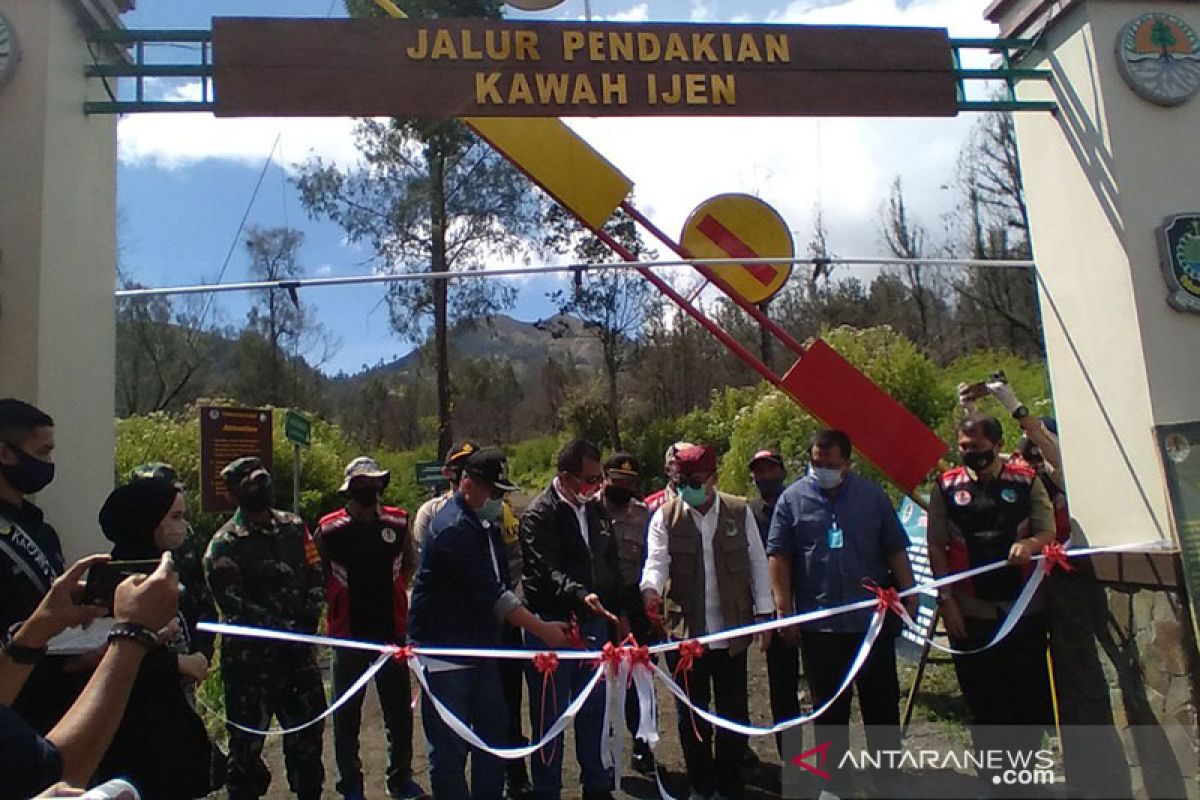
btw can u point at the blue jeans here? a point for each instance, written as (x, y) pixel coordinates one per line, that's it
(475, 697)
(569, 681)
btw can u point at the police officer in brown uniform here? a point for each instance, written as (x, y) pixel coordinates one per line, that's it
(706, 571)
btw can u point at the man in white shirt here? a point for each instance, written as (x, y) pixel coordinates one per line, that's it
(706, 571)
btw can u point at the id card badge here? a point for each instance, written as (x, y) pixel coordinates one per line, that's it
(835, 537)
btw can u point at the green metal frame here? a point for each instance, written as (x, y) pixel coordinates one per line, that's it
(1005, 73)
(137, 69)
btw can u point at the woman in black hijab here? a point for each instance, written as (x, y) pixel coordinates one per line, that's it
(161, 746)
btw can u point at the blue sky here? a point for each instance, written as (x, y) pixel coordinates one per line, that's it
(185, 180)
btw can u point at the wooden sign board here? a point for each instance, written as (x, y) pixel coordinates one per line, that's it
(489, 68)
(227, 434)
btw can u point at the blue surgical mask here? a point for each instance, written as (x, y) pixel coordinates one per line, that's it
(827, 478)
(693, 496)
(492, 510)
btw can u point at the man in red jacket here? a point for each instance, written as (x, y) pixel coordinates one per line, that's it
(369, 559)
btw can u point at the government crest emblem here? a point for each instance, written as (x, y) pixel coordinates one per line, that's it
(1159, 56)
(1179, 242)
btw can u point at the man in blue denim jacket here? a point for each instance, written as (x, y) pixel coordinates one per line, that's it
(461, 596)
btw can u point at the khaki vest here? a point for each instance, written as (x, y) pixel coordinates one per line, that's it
(685, 593)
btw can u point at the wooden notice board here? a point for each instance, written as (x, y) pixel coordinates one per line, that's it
(227, 434)
(446, 68)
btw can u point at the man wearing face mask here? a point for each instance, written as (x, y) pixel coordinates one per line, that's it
(783, 657)
(265, 572)
(831, 530)
(706, 572)
(460, 597)
(370, 559)
(985, 511)
(30, 554)
(660, 498)
(571, 573)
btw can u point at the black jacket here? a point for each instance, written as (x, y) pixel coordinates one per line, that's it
(560, 569)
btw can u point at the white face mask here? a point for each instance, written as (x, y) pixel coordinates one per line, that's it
(827, 478)
(170, 534)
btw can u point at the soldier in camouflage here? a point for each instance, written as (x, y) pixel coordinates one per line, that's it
(264, 571)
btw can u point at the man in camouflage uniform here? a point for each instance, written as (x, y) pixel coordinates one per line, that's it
(264, 571)
(195, 601)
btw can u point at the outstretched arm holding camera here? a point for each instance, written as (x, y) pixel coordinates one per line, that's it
(74, 748)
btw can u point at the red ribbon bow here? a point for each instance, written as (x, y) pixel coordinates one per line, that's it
(885, 599)
(611, 655)
(639, 656)
(547, 665)
(402, 654)
(689, 651)
(1054, 555)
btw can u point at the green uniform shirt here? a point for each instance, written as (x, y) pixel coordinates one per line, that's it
(266, 575)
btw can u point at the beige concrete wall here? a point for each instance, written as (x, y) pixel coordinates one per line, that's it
(58, 259)
(1100, 177)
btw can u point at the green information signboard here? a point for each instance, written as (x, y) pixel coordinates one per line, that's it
(429, 473)
(297, 429)
(1179, 446)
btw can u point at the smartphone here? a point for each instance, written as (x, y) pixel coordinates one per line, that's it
(102, 579)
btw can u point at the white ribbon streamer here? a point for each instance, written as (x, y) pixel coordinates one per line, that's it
(354, 689)
(641, 678)
(864, 650)
(511, 753)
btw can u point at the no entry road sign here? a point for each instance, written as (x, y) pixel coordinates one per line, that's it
(741, 226)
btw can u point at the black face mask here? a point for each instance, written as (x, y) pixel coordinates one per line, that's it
(618, 496)
(259, 497)
(979, 460)
(29, 475)
(366, 497)
(770, 489)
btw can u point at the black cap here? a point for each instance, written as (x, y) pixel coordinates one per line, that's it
(624, 464)
(489, 465)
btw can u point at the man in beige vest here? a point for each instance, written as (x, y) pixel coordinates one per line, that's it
(706, 571)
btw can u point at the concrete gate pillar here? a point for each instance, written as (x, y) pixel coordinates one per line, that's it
(1101, 176)
(58, 253)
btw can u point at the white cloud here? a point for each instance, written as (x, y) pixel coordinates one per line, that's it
(638, 13)
(677, 163)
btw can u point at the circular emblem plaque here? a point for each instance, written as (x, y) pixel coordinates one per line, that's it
(1159, 55)
(10, 53)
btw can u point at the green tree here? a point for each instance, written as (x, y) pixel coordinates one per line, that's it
(279, 330)
(428, 196)
(162, 352)
(612, 304)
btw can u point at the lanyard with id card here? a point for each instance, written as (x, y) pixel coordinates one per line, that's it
(835, 538)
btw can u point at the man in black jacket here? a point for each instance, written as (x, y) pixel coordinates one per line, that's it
(570, 573)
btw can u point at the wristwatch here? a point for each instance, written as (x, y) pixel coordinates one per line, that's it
(1020, 412)
(20, 654)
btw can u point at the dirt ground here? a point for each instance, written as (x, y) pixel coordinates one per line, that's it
(938, 717)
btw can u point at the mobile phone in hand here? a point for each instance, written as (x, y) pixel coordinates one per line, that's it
(103, 579)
